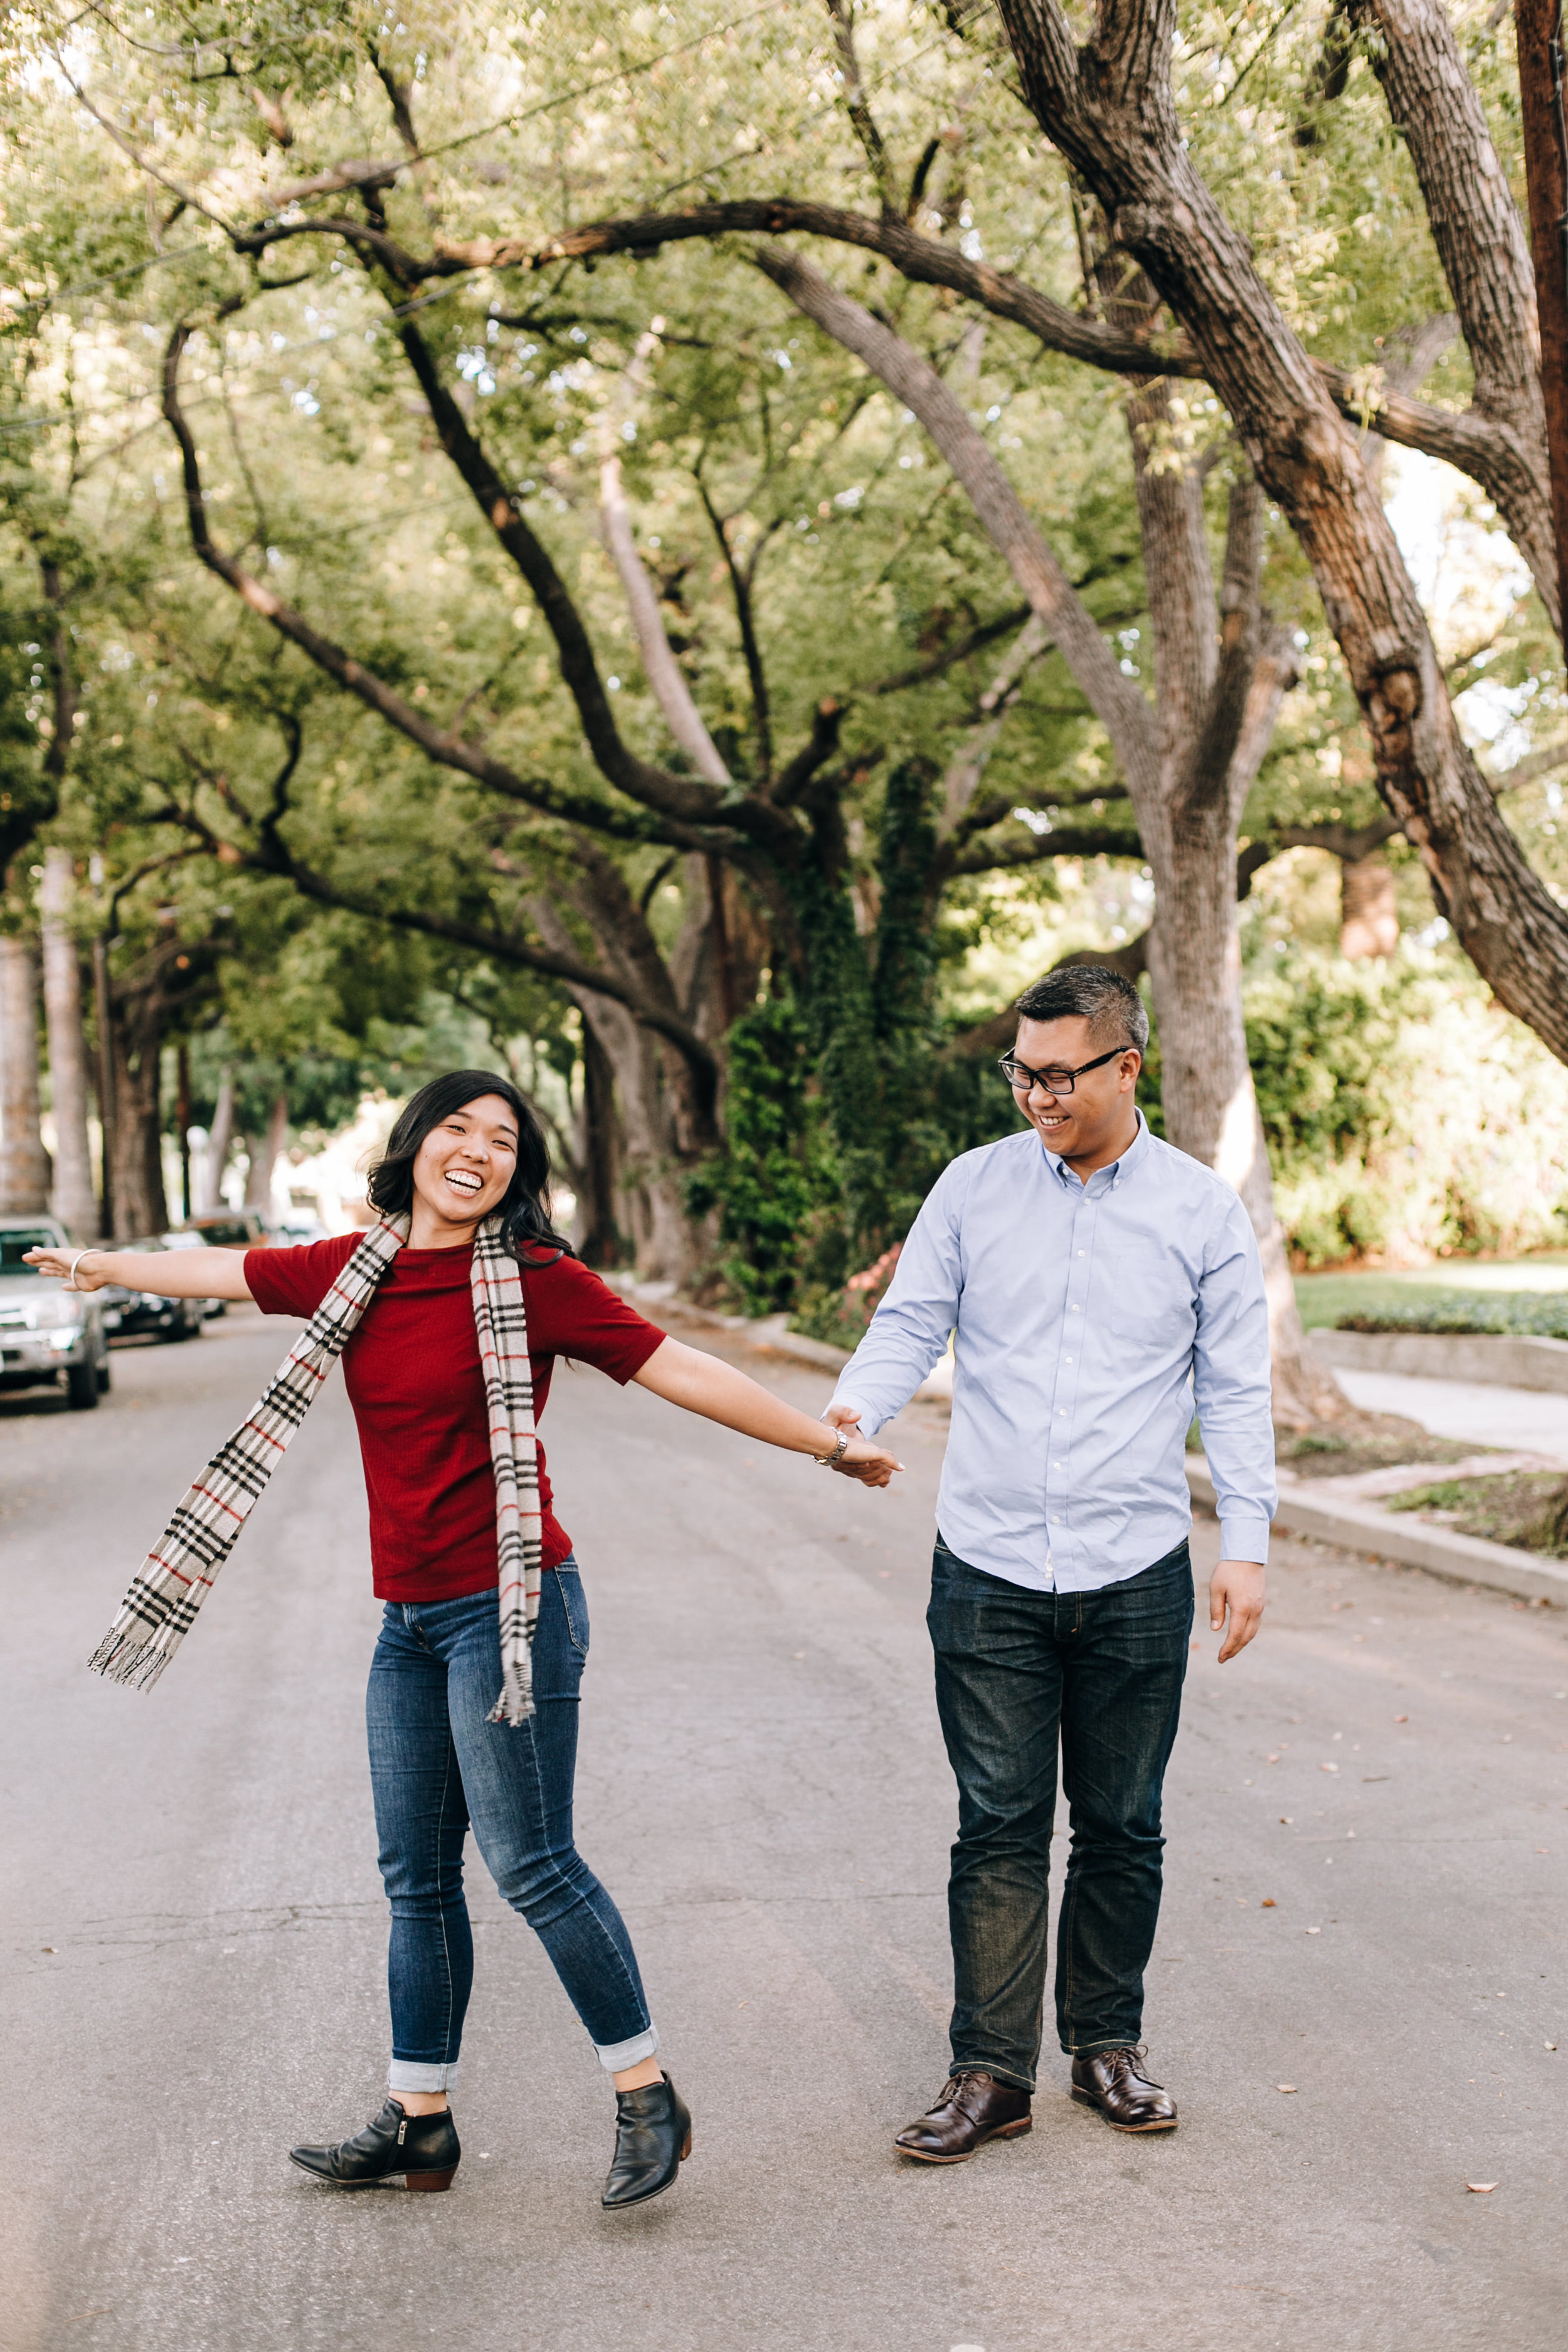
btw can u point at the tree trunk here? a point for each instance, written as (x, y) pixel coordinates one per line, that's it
(103, 1073)
(1537, 27)
(652, 1173)
(1211, 1108)
(142, 1209)
(264, 1159)
(599, 1242)
(1369, 917)
(75, 1203)
(220, 1142)
(24, 1162)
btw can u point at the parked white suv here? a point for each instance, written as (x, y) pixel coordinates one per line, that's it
(48, 1333)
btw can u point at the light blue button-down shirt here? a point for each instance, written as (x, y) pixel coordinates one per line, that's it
(1079, 1313)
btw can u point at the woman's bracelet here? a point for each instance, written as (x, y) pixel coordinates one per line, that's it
(831, 1461)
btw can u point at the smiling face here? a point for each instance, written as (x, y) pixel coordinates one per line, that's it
(461, 1171)
(1095, 1123)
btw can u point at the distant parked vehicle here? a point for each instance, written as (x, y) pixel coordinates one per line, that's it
(239, 1229)
(223, 1229)
(298, 1230)
(49, 1335)
(130, 1314)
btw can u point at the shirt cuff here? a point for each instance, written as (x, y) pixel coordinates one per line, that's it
(1244, 1535)
(870, 1419)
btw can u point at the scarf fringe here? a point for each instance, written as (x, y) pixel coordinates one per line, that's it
(515, 1703)
(128, 1653)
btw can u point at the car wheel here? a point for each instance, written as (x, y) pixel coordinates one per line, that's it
(81, 1386)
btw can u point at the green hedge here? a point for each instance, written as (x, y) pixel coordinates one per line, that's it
(1533, 1314)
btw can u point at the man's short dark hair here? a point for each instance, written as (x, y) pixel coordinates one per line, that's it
(1109, 1002)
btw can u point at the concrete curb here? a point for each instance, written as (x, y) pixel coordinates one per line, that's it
(1494, 1358)
(1366, 1528)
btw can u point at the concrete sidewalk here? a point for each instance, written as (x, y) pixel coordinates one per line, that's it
(1471, 1411)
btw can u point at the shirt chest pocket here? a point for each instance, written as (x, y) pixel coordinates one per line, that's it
(1152, 1304)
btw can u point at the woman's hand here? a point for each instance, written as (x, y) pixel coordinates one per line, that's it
(60, 1263)
(871, 1465)
(164, 1274)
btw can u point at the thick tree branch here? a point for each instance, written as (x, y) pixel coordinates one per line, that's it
(445, 749)
(1112, 114)
(1481, 240)
(1115, 701)
(271, 856)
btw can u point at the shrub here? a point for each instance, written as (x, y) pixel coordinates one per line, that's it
(1408, 1114)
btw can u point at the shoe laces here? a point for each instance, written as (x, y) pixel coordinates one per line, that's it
(1131, 2055)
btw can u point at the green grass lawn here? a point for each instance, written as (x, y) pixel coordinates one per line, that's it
(1528, 1294)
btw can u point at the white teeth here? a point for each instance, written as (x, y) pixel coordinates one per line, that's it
(463, 1181)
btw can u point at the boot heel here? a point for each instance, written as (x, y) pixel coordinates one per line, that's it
(687, 2150)
(430, 2181)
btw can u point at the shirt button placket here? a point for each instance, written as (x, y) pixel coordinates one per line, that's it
(1058, 1487)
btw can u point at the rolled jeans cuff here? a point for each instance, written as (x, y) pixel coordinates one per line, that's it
(615, 2057)
(413, 2074)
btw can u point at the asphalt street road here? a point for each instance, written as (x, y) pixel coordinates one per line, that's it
(1366, 1882)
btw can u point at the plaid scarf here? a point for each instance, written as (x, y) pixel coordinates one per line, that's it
(179, 1572)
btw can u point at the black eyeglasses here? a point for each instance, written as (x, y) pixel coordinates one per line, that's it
(1019, 1076)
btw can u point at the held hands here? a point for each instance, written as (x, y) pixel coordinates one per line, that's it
(1236, 1585)
(871, 1465)
(59, 1262)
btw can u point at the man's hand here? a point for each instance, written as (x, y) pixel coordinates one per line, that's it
(1236, 1585)
(861, 1460)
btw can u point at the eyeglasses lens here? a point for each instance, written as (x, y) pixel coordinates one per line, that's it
(1055, 1082)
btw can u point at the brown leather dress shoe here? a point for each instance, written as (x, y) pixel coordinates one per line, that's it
(970, 2108)
(1114, 2081)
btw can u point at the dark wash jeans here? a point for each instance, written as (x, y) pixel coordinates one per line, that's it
(1016, 1672)
(437, 1767)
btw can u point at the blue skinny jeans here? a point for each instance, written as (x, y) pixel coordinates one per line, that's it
(437, 1767)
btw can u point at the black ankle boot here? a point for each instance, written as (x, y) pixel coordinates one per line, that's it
(653, 2137)
(420, 2151)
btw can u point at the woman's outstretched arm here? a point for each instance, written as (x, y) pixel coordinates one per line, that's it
(167, 1273)
(705, 1384)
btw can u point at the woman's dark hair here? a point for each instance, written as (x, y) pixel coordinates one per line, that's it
(525, 1207)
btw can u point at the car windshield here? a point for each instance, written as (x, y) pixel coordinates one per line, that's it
(17, 1238)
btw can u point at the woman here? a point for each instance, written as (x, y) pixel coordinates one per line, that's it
(450, 1314)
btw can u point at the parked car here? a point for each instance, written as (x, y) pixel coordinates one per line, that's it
(239, 1229)
(223, 1229)
(298, 1230)
(130, 1314)
(48, 1334)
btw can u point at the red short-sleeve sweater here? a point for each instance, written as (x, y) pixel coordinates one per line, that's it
(418, 1396)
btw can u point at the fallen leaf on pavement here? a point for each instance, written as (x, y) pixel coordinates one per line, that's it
(1481, 2188)
(1285, 2086)
(1401, 1718)
(1269, 1903)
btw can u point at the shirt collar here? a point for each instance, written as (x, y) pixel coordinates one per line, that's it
(1103, 1177)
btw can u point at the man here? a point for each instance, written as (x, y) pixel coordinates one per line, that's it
(1088, 1271)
